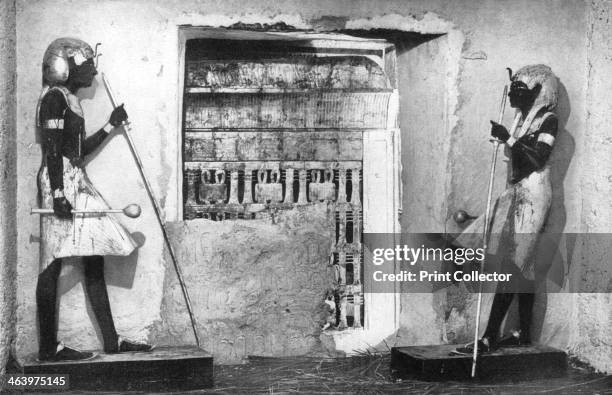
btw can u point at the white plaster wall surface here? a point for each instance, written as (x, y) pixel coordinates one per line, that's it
(425, 138)
(425, 143)
(140, 46)
(8, 182)
(592, 337)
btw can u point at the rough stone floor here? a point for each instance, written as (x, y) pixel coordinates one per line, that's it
(371, 374)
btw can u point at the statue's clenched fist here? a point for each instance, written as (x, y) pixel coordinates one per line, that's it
(118, 116)
(62, 207)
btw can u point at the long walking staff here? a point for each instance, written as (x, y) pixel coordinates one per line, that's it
(177, 268)
(485, 231)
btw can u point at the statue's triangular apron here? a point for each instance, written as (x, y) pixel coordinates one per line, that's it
(86, 234)
(519, 213)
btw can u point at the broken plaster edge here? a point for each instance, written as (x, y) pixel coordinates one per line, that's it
(224, 20)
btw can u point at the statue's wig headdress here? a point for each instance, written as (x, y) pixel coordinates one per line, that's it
(55, 67)
(547, 98)
(540, 74)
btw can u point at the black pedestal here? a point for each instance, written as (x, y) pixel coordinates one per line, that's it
(163, 369)
(437, 363)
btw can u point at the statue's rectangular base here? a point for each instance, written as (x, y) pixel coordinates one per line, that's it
(163, 369)
(437, 362)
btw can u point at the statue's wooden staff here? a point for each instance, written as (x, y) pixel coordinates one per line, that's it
(177, 268)
(485, 231)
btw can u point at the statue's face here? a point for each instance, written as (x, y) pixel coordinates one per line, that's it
(521, 96)
(81, 75)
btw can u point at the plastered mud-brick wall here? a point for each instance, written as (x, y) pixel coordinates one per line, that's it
(252, 295)
(8, 180)
(591, 337)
